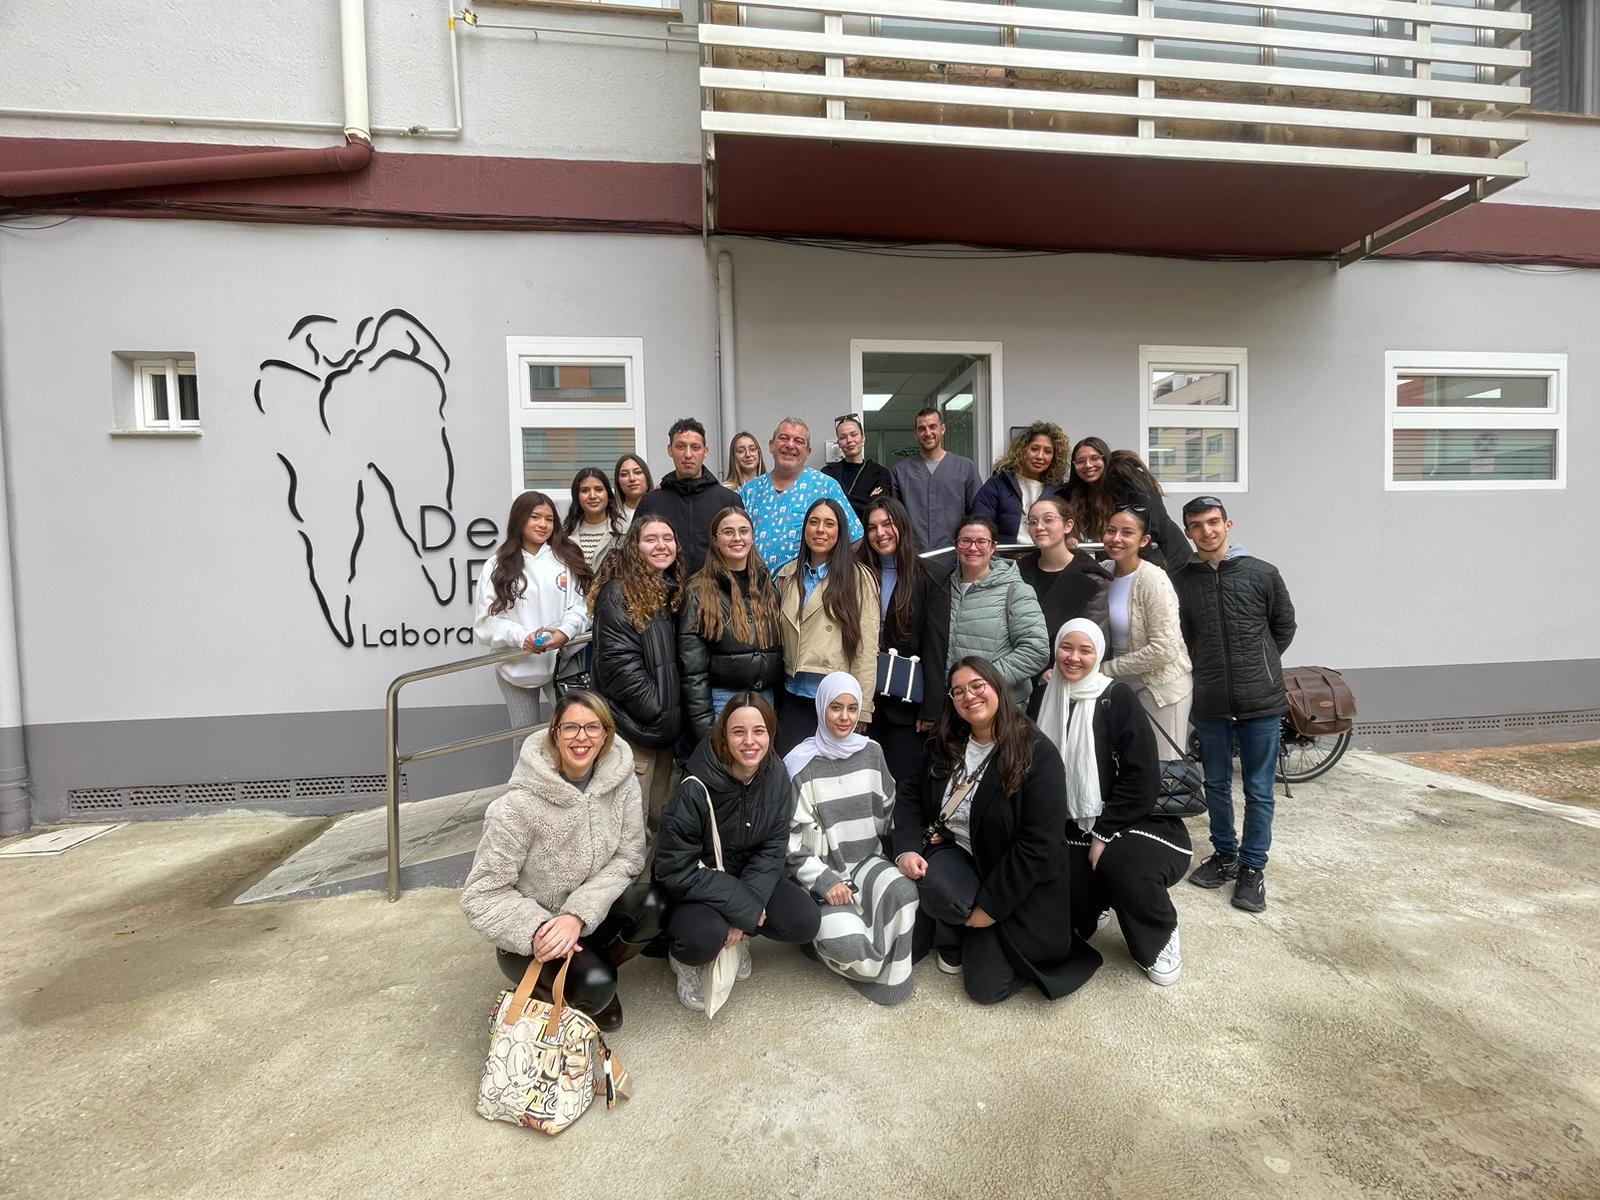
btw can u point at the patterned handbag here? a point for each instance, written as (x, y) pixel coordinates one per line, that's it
(546, 1061)
(1181, 790)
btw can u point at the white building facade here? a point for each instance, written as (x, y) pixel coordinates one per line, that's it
(261, 430)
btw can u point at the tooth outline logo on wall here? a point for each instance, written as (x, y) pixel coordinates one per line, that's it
(339, 515)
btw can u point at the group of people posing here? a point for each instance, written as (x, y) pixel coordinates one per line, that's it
(801, 726)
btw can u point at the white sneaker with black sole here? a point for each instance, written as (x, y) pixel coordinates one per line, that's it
(745, 965)
(1168, 965)
(690, 992)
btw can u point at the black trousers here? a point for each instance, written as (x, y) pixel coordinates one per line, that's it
(904, 749)
(797, 719)
(945, 898)
(1135, 871)
(696, 932)
(635, 918)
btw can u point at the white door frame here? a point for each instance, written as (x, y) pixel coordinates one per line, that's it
(986, 439)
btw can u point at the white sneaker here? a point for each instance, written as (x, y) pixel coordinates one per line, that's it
(1168, 965)
(745, 965)
(1102, 920)
(690, 994)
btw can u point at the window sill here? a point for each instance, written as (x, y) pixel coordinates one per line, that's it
(597, 6)
(155, 433)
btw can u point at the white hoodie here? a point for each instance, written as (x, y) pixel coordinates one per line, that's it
(550, 600)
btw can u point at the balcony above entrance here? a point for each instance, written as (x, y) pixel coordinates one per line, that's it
(1279, 128)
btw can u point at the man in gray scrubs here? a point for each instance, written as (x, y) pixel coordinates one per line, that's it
(936, 486)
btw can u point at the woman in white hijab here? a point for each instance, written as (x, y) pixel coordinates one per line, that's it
(1124, 854)
(842, 816)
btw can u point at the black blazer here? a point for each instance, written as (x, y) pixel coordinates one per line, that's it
(1020, 848)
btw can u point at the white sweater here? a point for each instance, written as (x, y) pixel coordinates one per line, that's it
(550, 600)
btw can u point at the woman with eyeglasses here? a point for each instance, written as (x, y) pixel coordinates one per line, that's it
(991, 613)
(531, 598)
(1147, 650)
(593, 520)
(1032, 468)
(1125, 856)
(1068, 582)
(734, 775)
(985, 837)
(728, 638)
(859, 478)
(633, 480)
(745, 461)
(828, 605)
(634, 605)
(907, 594)
(556, 867)
(1104, 480)
(844, 804)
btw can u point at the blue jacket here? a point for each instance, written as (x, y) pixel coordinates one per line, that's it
(1000, 499)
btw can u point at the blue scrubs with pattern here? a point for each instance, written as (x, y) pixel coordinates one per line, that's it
(780, 517)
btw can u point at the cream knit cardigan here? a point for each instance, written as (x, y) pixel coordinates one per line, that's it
(1157, 658)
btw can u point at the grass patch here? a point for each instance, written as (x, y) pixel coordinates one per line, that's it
(1568, 772)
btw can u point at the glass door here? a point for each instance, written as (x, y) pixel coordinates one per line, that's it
(895, 385)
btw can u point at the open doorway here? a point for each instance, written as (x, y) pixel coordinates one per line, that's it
(893, 381)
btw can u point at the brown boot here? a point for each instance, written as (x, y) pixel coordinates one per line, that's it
(620, 951)
(609, 1018)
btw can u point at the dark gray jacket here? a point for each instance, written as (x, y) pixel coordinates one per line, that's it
(1237, 620)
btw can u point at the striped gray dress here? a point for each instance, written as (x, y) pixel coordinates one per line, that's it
(840, 821)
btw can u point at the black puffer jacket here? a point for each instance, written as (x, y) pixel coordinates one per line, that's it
(688, 506)
(753, 821)
(638, 672)
(726, 663)
(1237, 620)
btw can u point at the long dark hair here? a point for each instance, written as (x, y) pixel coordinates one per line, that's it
(649, 479)
(575, 513)
(907, 564)
(645, 590)
(1091, 502)
(752, 617)
(507, 577)
(841, 590)
(1013, 732)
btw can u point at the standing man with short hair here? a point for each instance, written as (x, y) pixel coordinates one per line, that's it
(777, 501)
(936, 486)
(689, 496)
(861, 479)
(1237, 620)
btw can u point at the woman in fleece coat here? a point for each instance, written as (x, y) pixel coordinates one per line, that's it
(555, 872)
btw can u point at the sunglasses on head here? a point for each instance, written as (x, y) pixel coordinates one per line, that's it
(1206, 502)
(837, 421)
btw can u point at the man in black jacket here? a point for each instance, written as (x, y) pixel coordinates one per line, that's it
(689, 496)
(861, 479)
(1237, 620)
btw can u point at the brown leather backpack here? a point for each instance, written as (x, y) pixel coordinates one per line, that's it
(1320, 702)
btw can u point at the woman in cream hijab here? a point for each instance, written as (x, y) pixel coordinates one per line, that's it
(1124, 855)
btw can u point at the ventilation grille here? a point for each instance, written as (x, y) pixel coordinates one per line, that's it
(1506, 721)
(251, 792)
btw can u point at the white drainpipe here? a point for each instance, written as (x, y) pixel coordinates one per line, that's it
(353, 66)
(727, 410)
(16, 803)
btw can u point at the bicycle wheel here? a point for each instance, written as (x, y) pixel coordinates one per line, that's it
(1305, 758)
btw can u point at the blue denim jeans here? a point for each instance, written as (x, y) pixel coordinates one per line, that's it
(1258, 759)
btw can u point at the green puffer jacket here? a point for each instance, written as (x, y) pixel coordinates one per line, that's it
(998, 618)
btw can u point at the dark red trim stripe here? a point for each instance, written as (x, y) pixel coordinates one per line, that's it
(1518, 234)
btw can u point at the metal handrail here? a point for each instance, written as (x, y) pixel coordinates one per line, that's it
(391, 713)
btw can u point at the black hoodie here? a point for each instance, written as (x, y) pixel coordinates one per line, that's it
(753, 821)
(688, 506)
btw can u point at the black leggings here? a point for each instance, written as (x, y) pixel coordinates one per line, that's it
(946, 895)
(592, 979)
(697, 932)
(797, 719)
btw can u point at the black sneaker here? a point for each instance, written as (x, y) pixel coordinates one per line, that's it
(949, 958)
(1215, 871)
(1250, 893)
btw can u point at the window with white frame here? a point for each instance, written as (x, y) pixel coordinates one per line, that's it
(1465, 421)
(575, 402)
(1192, 415)
(166, 394)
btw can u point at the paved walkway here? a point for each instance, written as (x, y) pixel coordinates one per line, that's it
(1414, 1016)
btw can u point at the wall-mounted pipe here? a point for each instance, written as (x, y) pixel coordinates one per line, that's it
(256, 164)
(727, 410)
(16, 799)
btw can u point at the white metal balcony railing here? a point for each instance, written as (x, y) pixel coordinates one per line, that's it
(1370, 84)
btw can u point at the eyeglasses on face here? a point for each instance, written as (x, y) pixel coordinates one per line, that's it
(571, 729)
(1088, 458)
(974, 689)
(970, 543)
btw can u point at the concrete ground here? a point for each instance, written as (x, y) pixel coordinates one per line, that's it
(1414, 1016)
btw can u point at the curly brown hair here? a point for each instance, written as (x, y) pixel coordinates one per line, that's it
(1015, 454)
(752, 618)
(645, 590)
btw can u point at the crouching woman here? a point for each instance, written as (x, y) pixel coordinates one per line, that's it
(555, 871)
(846, 796)
(735, 773)
(1124, 854)
(985, 837)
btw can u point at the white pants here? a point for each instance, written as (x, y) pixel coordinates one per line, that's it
(1171, 719)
